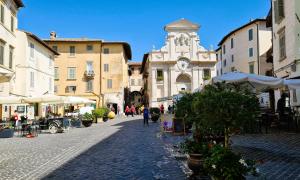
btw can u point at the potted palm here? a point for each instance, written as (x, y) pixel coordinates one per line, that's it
(197, 151)
(87, 119)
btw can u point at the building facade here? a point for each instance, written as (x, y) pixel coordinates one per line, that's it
(245, 49)
(34, 66)
(286, 42)
(135, 83)
(8, 42)
(182, 65)
(115, 77)
(92, 69)
(34, 72)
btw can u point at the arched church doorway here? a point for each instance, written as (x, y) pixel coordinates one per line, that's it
(183, 83)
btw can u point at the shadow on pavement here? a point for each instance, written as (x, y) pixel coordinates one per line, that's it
(133, 152)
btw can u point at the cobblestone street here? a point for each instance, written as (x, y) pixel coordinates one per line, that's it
(118, 149)
(278, 154)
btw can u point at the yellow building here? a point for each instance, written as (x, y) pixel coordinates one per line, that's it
(92, 69)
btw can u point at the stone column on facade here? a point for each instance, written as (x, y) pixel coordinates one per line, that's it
(153, 86)
(172, 47)
(195, 79)
(166, 80)
(172, 82)
(200, 75)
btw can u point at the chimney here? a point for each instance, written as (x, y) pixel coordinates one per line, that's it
(52, 35)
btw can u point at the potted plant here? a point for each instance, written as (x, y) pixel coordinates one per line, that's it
(87, 119)
(224, 164)
(105, 115)
(197, 153)
(154, 113)
(6, 131)
(225, 108)
(98, 114)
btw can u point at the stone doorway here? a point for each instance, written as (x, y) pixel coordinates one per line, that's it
(183, 83)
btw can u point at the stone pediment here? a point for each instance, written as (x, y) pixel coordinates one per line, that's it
(182, 24)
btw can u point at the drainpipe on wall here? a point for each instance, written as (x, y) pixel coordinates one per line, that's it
(100, 79)
(258, 57)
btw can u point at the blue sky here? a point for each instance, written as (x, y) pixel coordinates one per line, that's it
(138, 22)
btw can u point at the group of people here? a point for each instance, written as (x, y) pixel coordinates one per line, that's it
(130, 110)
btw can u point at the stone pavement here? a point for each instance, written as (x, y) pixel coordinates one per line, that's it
(118, 149)
(278, 154)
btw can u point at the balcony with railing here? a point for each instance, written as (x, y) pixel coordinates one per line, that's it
(89, 74)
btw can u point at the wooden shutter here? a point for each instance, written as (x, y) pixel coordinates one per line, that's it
(280, 9)
(2, 14)
(1, 54)
(276, 11)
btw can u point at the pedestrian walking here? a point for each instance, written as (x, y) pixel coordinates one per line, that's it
(132, 110)
(162, 109)
(146, 116)
(127, 111)
(16, 118)
(169, 109)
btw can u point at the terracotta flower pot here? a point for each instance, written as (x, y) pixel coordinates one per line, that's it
(195, 163)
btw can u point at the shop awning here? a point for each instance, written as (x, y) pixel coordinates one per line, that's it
(11, 100)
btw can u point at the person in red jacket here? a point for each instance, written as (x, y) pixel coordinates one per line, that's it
(132, 110)
(162, 109)
(127, 111)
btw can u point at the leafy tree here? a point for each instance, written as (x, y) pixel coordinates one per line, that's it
(225, 107)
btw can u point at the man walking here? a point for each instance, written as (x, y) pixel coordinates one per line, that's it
(146, 116)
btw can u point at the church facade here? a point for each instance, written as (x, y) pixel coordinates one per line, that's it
(182, 65)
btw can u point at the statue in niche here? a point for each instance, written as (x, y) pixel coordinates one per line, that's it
(182, 41)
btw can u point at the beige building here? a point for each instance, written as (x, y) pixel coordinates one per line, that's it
(245, 49)
(285, 20)
(91, 68)
(8, 43)
(135, 83)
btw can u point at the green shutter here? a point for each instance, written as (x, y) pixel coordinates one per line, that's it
(1, 55)
(280, 9)
(2, 13)
(276, 11)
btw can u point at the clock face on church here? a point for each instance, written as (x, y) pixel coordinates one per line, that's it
(182, 64)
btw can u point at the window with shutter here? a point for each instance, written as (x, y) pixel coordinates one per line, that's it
(1, 53)
(282, 48)
(159, 75)
(72, 50)
(280, 9)
(2, 14)
(109, 83)
(89, 86)
(250, 34)
(11, 56)
(12, 24)
(251, 68)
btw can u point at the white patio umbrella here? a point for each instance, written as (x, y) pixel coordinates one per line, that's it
(257, 81)
(11, 100)
(49, 98)
(77, 100)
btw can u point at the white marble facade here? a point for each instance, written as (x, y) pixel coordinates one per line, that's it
(179, 65)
